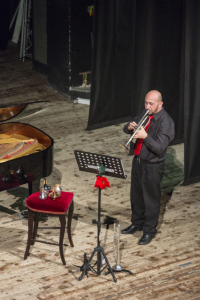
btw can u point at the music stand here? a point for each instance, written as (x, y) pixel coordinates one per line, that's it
(101, 164)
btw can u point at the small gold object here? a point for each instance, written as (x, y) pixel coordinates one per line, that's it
(56, 193)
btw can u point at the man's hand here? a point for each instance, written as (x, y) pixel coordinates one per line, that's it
(141, 134)
(132, 125)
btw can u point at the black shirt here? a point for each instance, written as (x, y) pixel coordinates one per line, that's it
(160, 134)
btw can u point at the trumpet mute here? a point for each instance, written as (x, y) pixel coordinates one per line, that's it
(42, 195)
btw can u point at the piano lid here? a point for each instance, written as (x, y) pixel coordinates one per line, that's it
(20, 111)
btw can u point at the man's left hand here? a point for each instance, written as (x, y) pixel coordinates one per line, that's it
(141, 134)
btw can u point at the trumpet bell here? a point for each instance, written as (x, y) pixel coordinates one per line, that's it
(124, 147)
(118, 268)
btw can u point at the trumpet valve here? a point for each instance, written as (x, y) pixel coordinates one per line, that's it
(134, 140)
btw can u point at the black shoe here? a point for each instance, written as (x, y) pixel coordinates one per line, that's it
(130, 229)
(146, 239)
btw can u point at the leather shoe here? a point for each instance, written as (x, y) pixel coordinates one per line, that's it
(146, 239)
(130, 229)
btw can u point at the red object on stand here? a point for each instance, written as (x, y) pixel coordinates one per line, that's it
(101, 182)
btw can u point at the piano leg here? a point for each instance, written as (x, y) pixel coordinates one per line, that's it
(36, 186)
(33, 187)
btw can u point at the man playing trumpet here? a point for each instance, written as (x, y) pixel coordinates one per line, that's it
(148, 166)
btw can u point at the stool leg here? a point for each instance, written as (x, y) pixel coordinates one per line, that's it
(70, 214)
(36, 216)
(62, 232)
(30, 232)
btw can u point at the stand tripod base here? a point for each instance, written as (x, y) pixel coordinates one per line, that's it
(84, 266)
(87, 266)
(118, 268)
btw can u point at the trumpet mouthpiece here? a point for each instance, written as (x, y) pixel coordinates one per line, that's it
(124, 147)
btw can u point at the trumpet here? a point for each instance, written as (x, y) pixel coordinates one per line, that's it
(144, 121)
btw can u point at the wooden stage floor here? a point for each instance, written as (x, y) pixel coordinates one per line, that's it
(167, 268)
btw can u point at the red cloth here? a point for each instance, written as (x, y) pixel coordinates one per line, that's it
(48, 205)
(139, 142)
(101, 182)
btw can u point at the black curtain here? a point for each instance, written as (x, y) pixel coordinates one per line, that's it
(58, 45)
(159, 57)
(192, 93)
(112, 65)
(145, 45)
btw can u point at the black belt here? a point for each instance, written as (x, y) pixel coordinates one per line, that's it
(148, 162)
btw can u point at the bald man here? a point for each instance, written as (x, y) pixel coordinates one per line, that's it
(148, 166)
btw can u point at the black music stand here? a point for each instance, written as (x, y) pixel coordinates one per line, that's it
(103, 165)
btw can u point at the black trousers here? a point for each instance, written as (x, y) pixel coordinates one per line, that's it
(145, 195)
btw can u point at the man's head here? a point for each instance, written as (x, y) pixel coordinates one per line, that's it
(153, 102)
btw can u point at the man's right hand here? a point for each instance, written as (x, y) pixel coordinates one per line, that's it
(131, 126)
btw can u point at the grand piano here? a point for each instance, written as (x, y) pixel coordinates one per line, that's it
(26, 153)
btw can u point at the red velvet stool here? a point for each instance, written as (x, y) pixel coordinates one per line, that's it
(49, 207)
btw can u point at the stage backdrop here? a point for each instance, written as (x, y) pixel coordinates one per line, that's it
(145, 45)
(192, 92)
